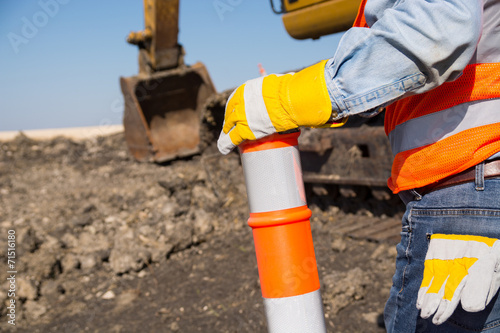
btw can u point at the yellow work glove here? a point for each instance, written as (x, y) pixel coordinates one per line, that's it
(276, 103)
(458, 268)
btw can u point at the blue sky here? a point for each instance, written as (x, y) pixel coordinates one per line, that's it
(60, 60)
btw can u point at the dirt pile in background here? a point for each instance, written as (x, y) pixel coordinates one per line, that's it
(106, 244)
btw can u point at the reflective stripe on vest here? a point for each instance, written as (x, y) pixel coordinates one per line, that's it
(454, 126)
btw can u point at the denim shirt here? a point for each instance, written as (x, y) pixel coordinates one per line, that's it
(411, 47)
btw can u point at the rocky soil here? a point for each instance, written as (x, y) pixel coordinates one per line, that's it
(107, 244)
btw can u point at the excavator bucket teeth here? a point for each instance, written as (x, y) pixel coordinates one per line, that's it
(163, 112)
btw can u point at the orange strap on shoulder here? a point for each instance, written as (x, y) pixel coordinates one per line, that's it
(360, 21)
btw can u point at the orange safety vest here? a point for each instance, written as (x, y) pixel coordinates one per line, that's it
(452, 127)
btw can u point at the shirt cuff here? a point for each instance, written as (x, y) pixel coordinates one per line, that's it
(339, 110)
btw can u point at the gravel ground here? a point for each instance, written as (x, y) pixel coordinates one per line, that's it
(106, 244)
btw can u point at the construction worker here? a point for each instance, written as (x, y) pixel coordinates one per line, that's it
(435, 65)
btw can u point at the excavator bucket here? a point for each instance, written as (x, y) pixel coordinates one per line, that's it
(163, 112)
(164, 102)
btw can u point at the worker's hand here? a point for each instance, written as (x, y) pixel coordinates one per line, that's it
(458, 268)
(276, 103)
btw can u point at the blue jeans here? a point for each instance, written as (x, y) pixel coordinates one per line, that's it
(472, 209)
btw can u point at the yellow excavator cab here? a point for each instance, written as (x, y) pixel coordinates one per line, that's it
(315, 18)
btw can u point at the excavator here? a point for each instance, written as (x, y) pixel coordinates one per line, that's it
(172, 110)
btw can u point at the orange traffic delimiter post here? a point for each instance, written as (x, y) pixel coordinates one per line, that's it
(279, 218)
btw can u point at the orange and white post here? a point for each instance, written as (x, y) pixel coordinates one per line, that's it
(279, 218)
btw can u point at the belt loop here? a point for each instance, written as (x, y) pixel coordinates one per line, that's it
(416, 195)
(480, 177)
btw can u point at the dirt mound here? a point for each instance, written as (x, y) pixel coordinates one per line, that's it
(106, 244)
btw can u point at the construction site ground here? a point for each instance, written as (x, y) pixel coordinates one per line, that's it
(106, 244)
